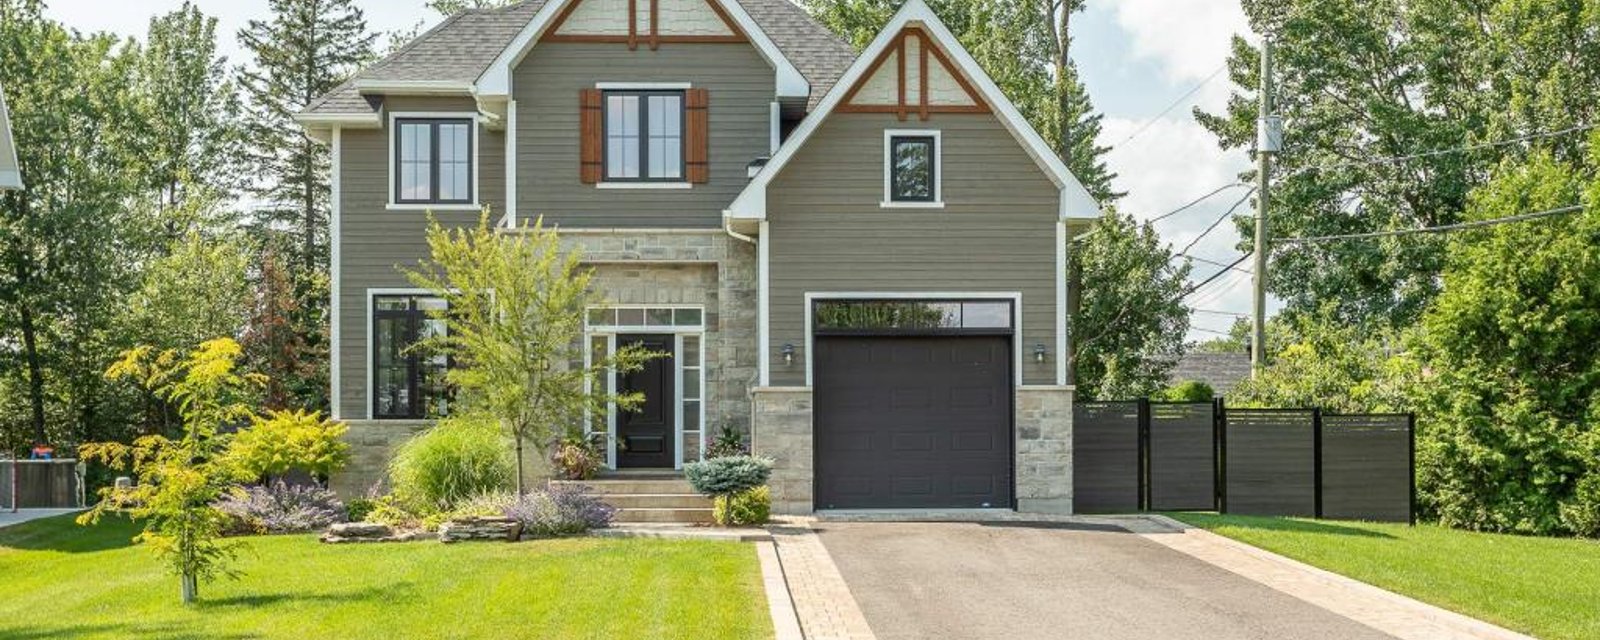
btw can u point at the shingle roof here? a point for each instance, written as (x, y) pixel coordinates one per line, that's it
(464, 45)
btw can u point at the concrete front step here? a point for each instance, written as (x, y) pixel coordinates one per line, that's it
(608, 486)
(668, 515)
(657, 500)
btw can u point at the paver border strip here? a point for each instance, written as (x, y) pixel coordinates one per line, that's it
(780, 603)
(1338, 589)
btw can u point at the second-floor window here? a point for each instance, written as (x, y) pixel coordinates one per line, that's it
(643, 136)
(433, 161)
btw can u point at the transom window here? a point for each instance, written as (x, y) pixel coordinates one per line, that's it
(407, 383)
(644, 136)
(433, 161)
(911, 174)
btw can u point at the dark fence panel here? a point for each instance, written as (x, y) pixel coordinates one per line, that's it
(1183, 456)
(1366, 467)
(1105, 457)
(41, 484)
(1270, 462)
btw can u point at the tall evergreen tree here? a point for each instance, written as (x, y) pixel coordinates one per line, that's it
(303, 51)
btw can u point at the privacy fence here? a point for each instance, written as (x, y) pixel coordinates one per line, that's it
(35, 484)
(1142, 455)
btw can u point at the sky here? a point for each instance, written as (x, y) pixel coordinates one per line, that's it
(1136, 57)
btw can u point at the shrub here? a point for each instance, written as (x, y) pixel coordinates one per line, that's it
(357, 510)
(561, 510)
(729, 475)
(285, 441)
(388, 510)
(280, 507)
(1186, 391)
(728, 443)
(577, 458)
(455, 460)
(1581, 514)
(747, 508)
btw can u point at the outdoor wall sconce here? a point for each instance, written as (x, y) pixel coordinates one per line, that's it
(788, 354)
(1039, 353)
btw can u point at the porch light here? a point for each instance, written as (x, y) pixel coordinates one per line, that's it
(788, 354)
(1040, 352)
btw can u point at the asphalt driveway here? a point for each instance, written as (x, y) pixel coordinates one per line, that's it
(1020, 581)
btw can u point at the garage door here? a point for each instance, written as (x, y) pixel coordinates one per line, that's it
(913, 422)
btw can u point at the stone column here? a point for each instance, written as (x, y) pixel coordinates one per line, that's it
(1044, 449)
(781, 430)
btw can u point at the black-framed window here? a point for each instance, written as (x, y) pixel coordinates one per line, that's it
(913, 168)
(406, 382)
(891, 317)
(644, 136)
(433, 161)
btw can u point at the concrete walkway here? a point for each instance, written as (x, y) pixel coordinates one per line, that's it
(1019, 580)
(7, 518)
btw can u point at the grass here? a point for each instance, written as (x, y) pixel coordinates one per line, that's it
(58, 579)
(1546, 587)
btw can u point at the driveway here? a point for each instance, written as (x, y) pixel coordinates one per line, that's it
(1021, 580)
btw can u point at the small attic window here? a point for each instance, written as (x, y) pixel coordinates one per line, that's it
(912, 171)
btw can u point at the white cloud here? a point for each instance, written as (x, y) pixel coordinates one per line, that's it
(1189, 38)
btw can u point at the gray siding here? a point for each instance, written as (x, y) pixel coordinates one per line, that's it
(375, 242)
(546, 86)
(997, 231)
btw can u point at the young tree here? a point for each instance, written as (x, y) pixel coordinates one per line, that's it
(273, 343)
(180, 480)
(516, 309)
(1131, 317)
(303, 51)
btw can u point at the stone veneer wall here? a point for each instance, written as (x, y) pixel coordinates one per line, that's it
(693, 266)
(781, 422)
(1044, 449)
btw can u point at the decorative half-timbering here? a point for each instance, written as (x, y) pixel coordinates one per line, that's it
(649, 22)
(913, 75)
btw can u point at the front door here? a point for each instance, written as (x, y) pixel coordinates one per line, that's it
(645, 435)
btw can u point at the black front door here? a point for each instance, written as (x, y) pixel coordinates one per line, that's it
(645, 435)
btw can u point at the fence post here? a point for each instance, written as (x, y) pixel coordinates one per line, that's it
(1411, 466)
(1219, 427)
(1316, 448)
(1144, 454)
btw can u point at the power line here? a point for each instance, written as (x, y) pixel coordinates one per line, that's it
(1441, 152)
(1218, 290)
(1218, 221)
(1213, 331)
(1170, 107)
(1199, 200)
(1213, 277)
(1221, 313)
(1209, 261)
(1439, 229)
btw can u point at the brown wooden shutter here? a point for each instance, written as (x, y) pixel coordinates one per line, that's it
(592, 136)
(697, 134)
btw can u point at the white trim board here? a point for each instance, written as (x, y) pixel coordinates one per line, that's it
(751, 204)
(495, 81)
(477, 155)
(1016, 312)
(335, 326)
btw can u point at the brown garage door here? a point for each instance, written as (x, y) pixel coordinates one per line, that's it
(913, 422)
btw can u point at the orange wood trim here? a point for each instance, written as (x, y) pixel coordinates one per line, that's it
(633, 24)
(889, 108)
(697, 165)
(922, 91)
(561, 19)
(900, 44)
(961, 79)
(592, 39)
(655, 25)
(716, 6)
(590, 132)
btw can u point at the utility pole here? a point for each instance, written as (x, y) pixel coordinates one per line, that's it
(1269, 139)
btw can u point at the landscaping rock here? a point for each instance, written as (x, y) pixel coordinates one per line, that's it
(476, 528)
(370, 532)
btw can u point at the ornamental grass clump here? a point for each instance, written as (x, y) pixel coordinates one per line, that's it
(455, 460)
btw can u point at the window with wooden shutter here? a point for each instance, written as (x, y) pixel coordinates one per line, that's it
(591, 136)
(697, 134)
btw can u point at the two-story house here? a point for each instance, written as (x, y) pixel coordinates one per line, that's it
(858, 260)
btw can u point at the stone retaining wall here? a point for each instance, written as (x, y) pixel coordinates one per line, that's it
(781, 423)
(1044, 449)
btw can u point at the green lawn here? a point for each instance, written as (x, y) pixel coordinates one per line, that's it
(61, 580)
(1545, 587)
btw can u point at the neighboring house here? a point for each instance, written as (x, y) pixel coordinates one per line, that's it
(10, 170)
(859, 261)
(1221, 371)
